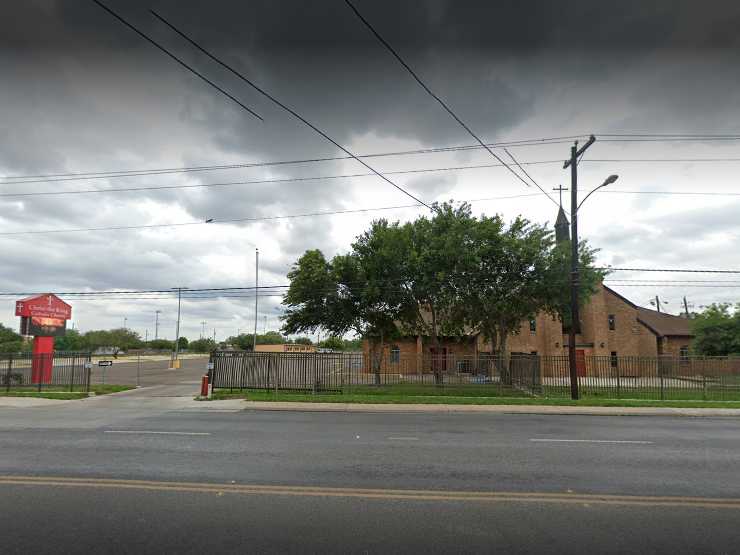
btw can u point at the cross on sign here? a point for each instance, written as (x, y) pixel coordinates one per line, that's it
(49, 300)
(19, 306)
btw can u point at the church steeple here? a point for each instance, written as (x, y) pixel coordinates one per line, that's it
(562, 226)
(562, 231)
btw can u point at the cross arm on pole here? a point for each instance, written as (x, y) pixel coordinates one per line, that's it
(591, 140)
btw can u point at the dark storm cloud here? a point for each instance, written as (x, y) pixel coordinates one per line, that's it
(82, 92)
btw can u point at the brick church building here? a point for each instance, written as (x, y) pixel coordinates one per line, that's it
(611, 325)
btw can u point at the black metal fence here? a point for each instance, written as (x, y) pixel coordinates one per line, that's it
(658, 378)
(344, 371)
(58, 371)
(654, 378)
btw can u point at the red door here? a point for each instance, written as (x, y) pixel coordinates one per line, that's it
(580, 362)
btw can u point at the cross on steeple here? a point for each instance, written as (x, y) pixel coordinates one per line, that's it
(560, 190)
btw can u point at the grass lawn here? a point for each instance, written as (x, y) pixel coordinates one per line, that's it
(61, 392)
(426, 395)
(648, 393)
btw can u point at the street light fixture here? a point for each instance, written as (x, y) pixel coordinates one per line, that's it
(608, 181)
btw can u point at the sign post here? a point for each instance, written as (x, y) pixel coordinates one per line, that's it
(44, 317)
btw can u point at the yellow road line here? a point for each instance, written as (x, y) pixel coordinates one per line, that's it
(388, 494)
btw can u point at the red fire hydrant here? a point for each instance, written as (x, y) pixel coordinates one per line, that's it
(204, 386)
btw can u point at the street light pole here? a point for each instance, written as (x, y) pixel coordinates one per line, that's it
(256, 296)
(575, 323)
(575, 152)
(156, 324)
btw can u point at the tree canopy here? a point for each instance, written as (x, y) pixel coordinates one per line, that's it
(446, 274)
(717, 330)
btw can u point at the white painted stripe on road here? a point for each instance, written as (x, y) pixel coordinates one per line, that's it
(636, 442)
(157, 433)
(404, 438)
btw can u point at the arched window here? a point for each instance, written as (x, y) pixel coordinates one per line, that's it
(395, 354)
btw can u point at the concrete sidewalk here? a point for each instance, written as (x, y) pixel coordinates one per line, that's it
(499, 409)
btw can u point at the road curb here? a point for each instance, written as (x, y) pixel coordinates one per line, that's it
(494, 409)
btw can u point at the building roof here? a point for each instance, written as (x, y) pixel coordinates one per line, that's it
(664, 324)
(659, 323)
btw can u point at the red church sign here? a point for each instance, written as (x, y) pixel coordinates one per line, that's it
(43, 316)
(43, 306)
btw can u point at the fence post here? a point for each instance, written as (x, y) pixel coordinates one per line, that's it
(39, 373)
(72, 374)
(10, 371)
(704, 386)
(660, 373)
(88, 365)
(138, 369)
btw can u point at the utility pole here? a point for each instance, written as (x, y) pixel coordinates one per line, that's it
(156, 324)
(203, 329)
(214, 335)
(657, 302)
(146, 335)
(575, 152)
(256, 296)
(264, 328)
(686, 306)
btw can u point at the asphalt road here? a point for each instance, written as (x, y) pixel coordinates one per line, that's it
(481, 482)
(149, 372)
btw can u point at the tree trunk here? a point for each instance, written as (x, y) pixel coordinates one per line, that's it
(492, 363)
(378, 358)
(504, 356)
(436, 356)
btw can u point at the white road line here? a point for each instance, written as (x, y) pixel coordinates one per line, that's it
(157, 433)
(592, 441)
(404, 438)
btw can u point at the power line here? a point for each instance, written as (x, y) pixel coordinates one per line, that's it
(255, 182)
(219, 291)
(287, 109)
(675, 135)
(671, 270)
(438, 99)
(52, 178)
(340, 176)
(111, 174)
(314, 214)
(239, 220)
(178, 60)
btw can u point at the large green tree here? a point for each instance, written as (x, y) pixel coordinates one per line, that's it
(349, 293)
(557, 279)
(436, 265)
(717, 330)
(503, 283)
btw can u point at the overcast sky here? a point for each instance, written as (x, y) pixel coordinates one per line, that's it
(82, 93)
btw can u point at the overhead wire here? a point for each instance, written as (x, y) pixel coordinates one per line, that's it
(178, 60)
(286, 108)
(438, 99)
(111, 174)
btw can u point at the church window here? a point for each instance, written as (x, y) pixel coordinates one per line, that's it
(612, 322)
